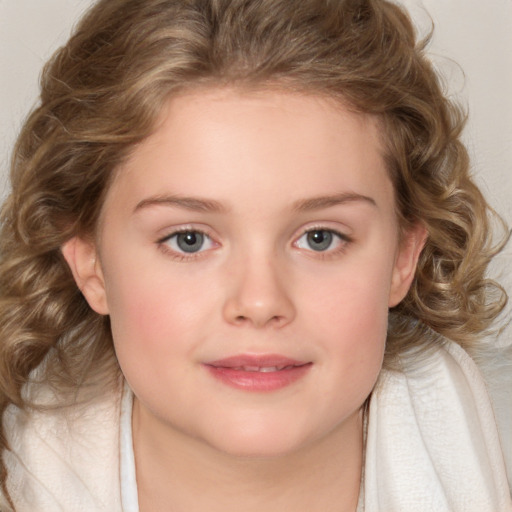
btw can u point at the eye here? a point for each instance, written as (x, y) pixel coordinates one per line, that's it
(321, 240)
(188, 242)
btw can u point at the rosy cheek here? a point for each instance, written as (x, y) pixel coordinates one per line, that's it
(153, 309)
(135, 311)
(354, 299)
(355, 316)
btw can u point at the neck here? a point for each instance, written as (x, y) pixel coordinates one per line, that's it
(175, 472)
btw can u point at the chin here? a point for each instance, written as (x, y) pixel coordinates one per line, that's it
(268, 440)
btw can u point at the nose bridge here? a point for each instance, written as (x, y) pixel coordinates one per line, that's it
(258, 293)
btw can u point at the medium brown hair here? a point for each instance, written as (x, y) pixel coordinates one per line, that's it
(101, 94)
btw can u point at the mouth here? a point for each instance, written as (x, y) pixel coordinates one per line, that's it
(264, 369)
(262, 373)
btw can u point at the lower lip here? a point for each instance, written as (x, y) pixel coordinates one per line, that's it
(258, 381)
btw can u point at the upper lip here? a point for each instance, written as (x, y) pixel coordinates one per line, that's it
(249, 361)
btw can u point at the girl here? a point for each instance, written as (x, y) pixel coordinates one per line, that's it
(239, 261)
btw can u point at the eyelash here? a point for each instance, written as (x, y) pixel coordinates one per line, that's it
(343, 241)
(183, 256)
(177, 255)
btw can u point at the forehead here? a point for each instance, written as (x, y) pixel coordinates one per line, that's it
(245, 143)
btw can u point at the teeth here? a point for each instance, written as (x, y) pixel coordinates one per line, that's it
(262, 369)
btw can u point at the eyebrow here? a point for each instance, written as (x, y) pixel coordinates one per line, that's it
(196, 204)
(317, 203)
(209, 205)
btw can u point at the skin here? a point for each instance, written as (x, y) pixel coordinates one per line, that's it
(259, 170)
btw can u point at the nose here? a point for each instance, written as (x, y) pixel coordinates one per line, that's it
(257, 295)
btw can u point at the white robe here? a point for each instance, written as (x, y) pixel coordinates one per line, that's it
(432, 446)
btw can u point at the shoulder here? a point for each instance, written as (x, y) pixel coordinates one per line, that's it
(432, 437)
(444, 387)
(64, 458)
(495, 363)
(445, 373)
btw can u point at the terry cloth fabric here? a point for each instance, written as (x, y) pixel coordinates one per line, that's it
(431, 446)
(65, 460)
(432, 442)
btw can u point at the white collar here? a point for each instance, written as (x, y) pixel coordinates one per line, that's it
(129, 496)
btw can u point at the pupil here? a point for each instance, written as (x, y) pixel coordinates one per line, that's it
(319, 240)
(190, 241)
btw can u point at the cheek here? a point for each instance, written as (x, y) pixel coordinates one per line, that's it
(359, 334)
(135, 306)
(148, 308)
(351, 318)
(353, 301)
(159, 314)
(152, 333)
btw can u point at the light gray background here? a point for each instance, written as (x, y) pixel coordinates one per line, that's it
(470, 35)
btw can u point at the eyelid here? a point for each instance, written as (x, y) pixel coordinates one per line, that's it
(344, 240)
(344, 234)
(182, 229)
(182, 255)
(336, 233)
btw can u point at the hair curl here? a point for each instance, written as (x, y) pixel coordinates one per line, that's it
(101, 94)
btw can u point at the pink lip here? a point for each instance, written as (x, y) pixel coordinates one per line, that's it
(244, 371)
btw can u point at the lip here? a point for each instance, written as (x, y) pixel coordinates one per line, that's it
(258, 373)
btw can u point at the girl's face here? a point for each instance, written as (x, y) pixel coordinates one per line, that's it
(247, 255)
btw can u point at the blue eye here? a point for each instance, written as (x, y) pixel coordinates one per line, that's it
(188, 242)
(320, 240)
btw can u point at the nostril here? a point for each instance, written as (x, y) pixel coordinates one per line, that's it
(277, 319)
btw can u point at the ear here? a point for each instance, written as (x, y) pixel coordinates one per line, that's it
(81, 256)
(406, 260)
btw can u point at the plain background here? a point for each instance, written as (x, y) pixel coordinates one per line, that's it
(472, 47)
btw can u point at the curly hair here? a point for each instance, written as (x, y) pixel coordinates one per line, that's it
(101, 94)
